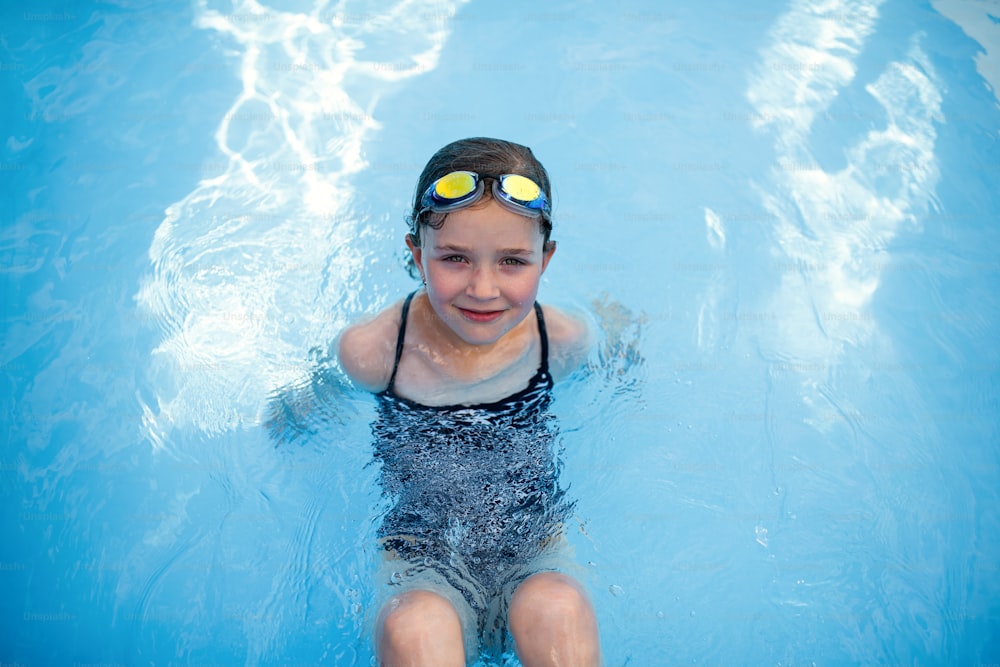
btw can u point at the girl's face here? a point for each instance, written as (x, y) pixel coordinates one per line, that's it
(482, 269)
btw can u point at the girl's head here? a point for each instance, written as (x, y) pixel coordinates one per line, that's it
(481, 251)
(483, 156)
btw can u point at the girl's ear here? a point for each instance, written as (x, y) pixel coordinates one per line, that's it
(417, 252)
(548, 250)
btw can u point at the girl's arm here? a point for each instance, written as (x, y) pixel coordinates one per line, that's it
(366, 350)
(570, 341)
(617, 334)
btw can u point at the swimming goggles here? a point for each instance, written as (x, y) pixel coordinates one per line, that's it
(459, 189)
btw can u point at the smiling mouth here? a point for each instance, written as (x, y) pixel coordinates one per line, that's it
(480, 316)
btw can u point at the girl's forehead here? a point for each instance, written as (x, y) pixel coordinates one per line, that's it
(489, 223)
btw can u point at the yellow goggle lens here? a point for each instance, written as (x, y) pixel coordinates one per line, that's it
(521, 188)
(454, 185)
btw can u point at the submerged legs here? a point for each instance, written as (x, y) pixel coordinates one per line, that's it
(550, 617)
(553, 623)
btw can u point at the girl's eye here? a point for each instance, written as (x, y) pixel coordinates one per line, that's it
(453, 258)
(512, 261)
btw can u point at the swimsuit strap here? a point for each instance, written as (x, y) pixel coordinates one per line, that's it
(399, 341)
(543, 336)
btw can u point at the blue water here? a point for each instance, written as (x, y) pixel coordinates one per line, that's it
(783, 449)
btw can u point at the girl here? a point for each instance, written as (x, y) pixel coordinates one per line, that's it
(462, 371)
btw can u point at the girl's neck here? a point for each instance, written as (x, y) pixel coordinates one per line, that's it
(457, 358)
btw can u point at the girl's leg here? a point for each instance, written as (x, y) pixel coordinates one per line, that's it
(419, 629)
(553, 623)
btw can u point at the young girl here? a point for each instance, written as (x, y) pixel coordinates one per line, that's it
(462, 370)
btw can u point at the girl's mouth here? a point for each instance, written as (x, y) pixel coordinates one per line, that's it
(480, 316)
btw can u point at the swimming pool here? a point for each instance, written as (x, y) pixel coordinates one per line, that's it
(783, 451)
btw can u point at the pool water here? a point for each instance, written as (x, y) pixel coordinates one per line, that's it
(782, 218)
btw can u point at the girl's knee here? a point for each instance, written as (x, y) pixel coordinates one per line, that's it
(416, 617)
(553, 622)
(547, 597)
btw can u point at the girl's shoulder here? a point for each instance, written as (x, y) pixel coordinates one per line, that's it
(570, 340)
(367, 349)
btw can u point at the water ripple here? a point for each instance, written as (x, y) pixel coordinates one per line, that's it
(835, 227)
(248, 270)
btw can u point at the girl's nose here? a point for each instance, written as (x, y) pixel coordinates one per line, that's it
(482, 285)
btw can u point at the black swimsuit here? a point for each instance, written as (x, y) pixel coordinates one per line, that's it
(474, 488)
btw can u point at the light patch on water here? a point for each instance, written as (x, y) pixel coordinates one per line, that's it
(249, 268)
(810, 59)
(978, 19)
(833, 228)
(707, 332)
(715, 231)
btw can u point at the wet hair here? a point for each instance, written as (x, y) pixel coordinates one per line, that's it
(482, 155)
